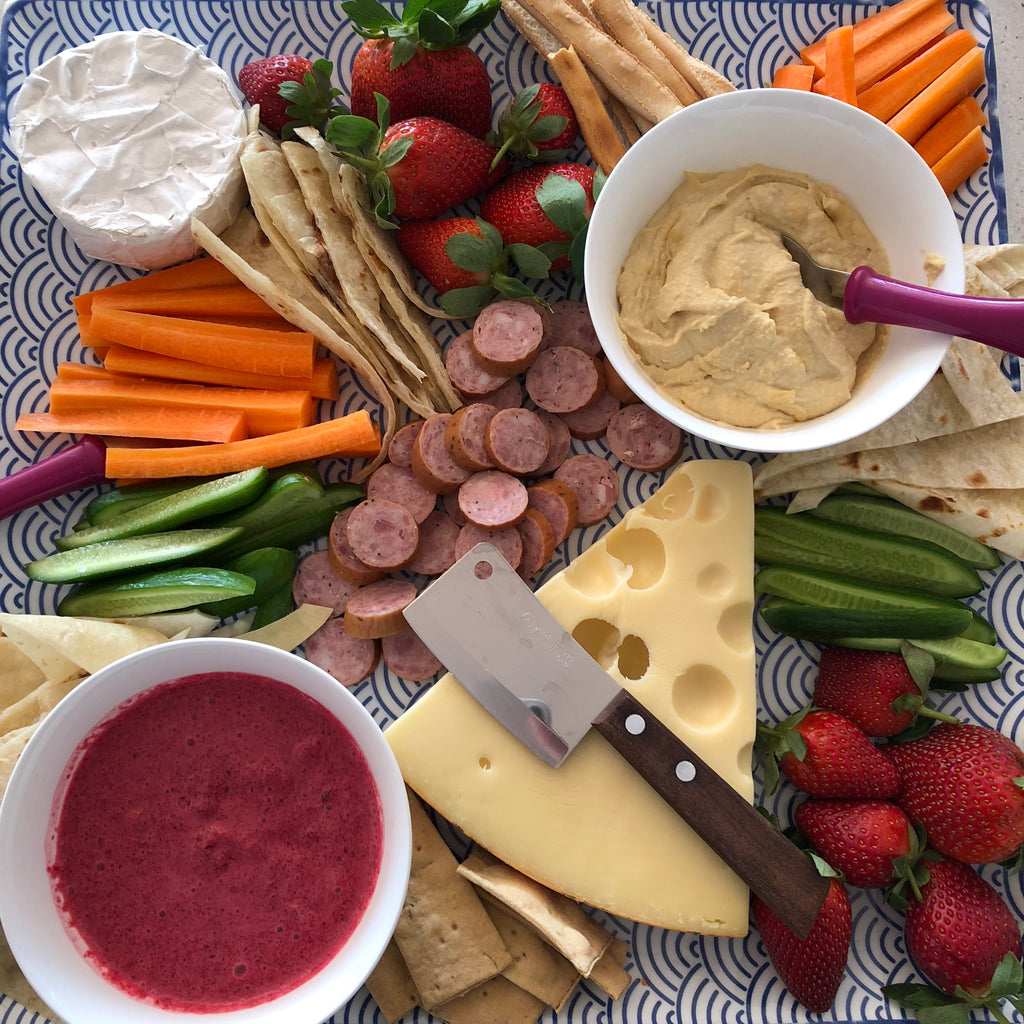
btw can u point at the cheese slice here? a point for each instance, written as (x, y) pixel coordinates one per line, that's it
(127, 138)
(664, 601)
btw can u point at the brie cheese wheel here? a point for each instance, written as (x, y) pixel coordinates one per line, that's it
(129, 137)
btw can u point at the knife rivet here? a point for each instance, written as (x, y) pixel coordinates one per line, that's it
(685, 771)
(635, 724)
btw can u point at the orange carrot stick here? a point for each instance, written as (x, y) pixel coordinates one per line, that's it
(793, 76)
(282, 353)
(220, 300)
(351, 436)
(949, 130)
(323, 383)
(219, 425)
(83, 371)
(869, 29)
(890, 95)
(265, 412)
(966, 76)
(956, 166)
(839, 80)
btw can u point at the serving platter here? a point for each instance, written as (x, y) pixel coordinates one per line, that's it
(679, 977)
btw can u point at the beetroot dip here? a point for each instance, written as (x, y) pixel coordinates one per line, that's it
(214, 842)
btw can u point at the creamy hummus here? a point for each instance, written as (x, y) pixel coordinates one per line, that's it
(713, 306)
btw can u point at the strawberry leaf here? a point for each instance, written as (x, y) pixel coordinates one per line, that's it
(462, 303)
(369, 18)
(564, 203)
(532, 261)
(512, 288)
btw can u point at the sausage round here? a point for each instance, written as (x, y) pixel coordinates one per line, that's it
(464, 436)
(596, 485)
(383, 534)
(590, 423)
(517, 441)
(557, 503)
(538, 543)
(616, 385)
(559, 443)
(401, 485)
(567, 322)
(506, 336)
(400, 447)
(468, 377)
(433, 465)
(348, 658)
(564, 379)
(377, 610)
(408, 657)
(493, 500)
(316, 582)
(343, 559)
(643, 439)
(508, 396)
(436, 553)
(508, 542)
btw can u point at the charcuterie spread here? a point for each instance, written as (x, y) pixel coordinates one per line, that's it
(312, 323)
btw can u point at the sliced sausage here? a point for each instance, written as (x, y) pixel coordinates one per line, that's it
(436, 553)
(493, 500)
(517, 441)
(468, 377)
(538, 543)
(564, 379)
(377, 610)
(383, 534)
(559, 443)
(408, 657)
(557, 503)
(464, 436)
(590, 423)
(616, 385)
(506, 336)
(643, 439)
(567, 322)
(508, 542)
(508, 396)
(343, 559)
(596, 485)
(401, 485)
(400, 448)
(348, 658)
(433, 465)
(451, 506)
(316, 582)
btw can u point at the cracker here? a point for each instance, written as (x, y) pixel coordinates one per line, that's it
(391, 986)
(609, 973)
(497, 1001)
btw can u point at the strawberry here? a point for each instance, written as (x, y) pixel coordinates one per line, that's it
(825, 755)
(547, 206)
(877, 690)
(291, 92)
(465, 260)
(963, 782)
(539, 124)
(417, 168)
(421, 62)
(810, 968)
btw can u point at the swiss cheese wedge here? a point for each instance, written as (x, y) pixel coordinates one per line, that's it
(664, 601)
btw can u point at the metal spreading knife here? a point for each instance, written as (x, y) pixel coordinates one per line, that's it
(503, 646)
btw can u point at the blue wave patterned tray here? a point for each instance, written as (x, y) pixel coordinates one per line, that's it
(680, 977)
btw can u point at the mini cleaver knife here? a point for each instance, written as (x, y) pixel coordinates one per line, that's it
(486, 626)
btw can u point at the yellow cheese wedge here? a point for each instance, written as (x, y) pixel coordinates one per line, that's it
(664, 602)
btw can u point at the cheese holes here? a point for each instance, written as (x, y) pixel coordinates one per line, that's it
(672, 503)
(606, 645)
(704, 698)
(712, 504)
(633, 657)
(734, 626)
(643, 553)
(714, 581)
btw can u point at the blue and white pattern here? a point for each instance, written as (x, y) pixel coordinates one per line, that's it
(680, 978)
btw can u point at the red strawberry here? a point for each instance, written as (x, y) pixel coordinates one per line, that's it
(876, 690)
(862, 839)
(825, 755)
(290, 91)
(963, 783)
(422, 65)
(960, 929)
(810, 968)
(423, 242)
(545, 205)
(539, 123)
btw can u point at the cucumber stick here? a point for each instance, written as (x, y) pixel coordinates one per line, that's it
(815, 622)
(270, 568)
(950, 653)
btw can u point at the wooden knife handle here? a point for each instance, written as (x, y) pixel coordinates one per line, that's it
(773, 867)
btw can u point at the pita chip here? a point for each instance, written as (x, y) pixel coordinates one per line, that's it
(497, 1001)
(391, 986)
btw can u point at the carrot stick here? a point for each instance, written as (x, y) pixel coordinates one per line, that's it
(793, 76)
(282, 353)
(889, 96)
(956, 166)
(883, 56)
(354, 435)
(839, 80)
(220, 425)
(221, 300)
(265, 412)
(956, 83)
(204, 272)
(83, 371)
(323, 383)
(949, 130)
(869, 29)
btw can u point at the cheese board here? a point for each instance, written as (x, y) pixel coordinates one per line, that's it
(678, 976)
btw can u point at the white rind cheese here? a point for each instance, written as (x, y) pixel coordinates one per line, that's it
(664, 601)
(129, 137)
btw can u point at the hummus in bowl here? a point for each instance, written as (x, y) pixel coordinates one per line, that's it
(712, 305)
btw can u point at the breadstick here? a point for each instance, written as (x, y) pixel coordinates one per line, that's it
(595, 125)
(628, 127)
(703, 78)
(540, 38)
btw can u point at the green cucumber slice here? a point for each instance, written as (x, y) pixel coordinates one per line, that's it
(951, 654)
(814, 622)
(109, 504)
(270, 568)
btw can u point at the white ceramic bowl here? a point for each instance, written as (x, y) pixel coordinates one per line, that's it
(833, 142)
(38, 939)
